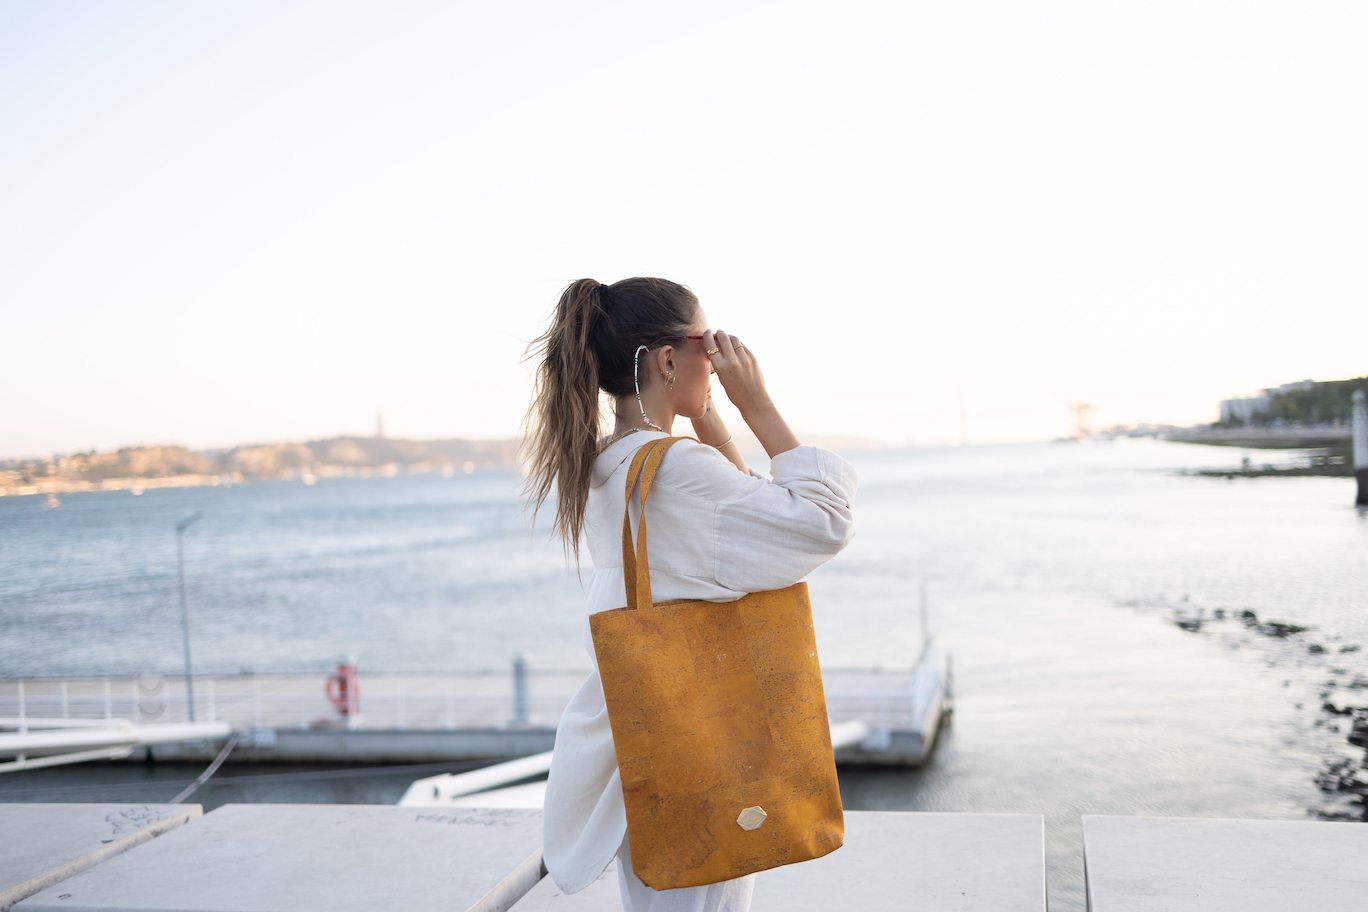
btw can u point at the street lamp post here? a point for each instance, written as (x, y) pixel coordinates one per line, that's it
(185, 612)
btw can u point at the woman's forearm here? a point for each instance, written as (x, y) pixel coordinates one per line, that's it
(733, 453)
(713, 432)
(769, 427)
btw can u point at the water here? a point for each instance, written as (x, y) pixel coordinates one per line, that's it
(1055, 575)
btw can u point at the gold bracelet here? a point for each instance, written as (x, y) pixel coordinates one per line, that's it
(725, 442)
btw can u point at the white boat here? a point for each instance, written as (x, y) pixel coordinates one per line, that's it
(35, 742)
(477, 787)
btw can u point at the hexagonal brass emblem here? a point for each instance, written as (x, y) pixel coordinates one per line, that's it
(751, 817)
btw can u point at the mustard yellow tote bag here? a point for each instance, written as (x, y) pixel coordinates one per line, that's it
(719, 723)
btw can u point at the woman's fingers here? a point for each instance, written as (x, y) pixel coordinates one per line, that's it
(728, 348)
(724, 345)
(733, 363)
(735, 367)
(717, 353)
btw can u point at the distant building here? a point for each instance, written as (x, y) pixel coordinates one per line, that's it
(1250, 408)
(1291, 387)
(1243, 411)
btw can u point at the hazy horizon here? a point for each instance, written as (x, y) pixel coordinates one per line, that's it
(681, 427)
(269, 221)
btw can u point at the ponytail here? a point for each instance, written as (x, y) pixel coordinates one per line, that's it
(588, 347)
(563, 419)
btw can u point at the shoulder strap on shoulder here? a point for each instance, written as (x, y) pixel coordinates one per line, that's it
(636, 565)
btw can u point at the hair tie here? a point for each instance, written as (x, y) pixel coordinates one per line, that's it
(602, 288)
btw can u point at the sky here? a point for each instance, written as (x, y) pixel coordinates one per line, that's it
(931, 222)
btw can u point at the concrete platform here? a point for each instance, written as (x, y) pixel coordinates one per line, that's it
(307, 857)
(890, 860)
(1215, 864)
(47, 843)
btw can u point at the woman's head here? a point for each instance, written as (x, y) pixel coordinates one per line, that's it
(595, 335)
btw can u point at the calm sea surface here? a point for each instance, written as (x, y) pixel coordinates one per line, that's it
(1055, 575)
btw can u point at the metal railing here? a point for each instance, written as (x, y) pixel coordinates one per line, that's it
(387, 701)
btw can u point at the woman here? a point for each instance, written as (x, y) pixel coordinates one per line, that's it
(718, 529)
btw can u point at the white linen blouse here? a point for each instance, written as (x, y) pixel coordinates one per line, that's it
(716, 534)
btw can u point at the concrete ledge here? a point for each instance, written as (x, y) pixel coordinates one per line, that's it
(890, 860)
(307, 857)
(1216, 864)
(301, 858)
(885, 747)
(45, 844)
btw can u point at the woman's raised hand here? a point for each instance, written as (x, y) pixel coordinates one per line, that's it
(740, 374)
(737, 369)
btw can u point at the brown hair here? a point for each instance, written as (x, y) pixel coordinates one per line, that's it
(588, 347)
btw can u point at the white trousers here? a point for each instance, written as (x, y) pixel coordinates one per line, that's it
(726, 896)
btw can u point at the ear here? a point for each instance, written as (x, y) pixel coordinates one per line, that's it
(665, 359)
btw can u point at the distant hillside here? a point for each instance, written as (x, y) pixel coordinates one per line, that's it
(160, 466)
(1307, 414)
(143, 467)
(1324, 403)
(274, 459)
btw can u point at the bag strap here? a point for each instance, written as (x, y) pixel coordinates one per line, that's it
(636, 564)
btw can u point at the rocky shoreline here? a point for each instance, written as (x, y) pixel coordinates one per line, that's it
(1343, 696)
(1327, 462)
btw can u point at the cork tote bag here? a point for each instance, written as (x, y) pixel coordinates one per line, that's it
(719, 723)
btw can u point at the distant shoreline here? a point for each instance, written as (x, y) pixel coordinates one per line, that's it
(136, 469)
(1327, 470)
(271, 462)
(140, 485)
(1269, 438)
(1329, 446)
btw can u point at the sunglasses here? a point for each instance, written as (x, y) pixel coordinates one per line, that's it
(672, 338)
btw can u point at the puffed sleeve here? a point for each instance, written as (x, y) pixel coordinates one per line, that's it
(768, 533)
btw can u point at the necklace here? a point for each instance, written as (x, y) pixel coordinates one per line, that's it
(618, 436)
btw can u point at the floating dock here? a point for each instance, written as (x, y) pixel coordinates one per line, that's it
(405, 718)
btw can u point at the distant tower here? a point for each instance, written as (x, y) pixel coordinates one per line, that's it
(379, 425)
(1082, 413)
(963, 417)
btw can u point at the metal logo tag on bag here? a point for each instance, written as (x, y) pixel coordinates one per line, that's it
(752, 817)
